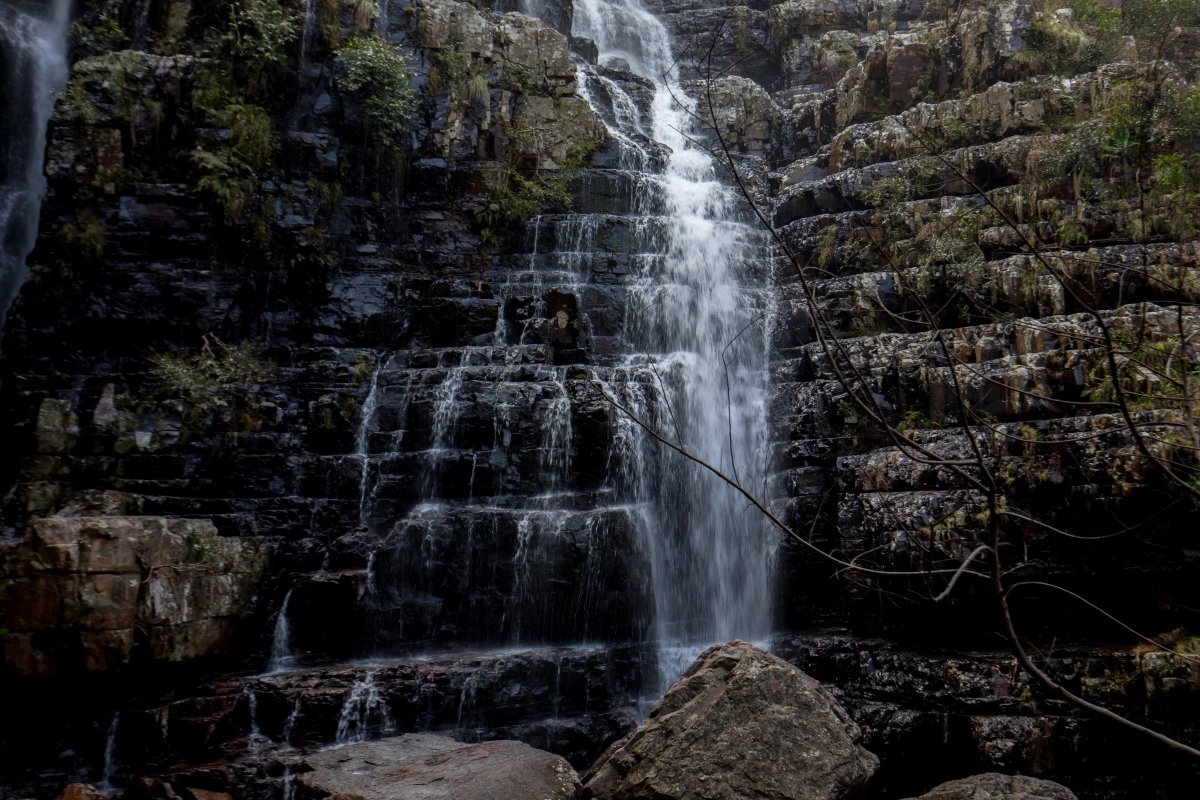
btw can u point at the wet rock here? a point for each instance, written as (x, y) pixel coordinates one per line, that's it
(574, 126)
(994, 786)
(424, 767)
(94, 593)
(745, 114)
(738, 723)
(81, 791)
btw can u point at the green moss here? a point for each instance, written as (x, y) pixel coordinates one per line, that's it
(515, 194)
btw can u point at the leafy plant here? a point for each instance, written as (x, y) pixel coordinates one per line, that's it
(104, 35)
(86, 238)
(216, 377)
(231, 170)
(260, 36)
(461, 73)
(1176, 194)
(516, 193)
(1152, 374)
(380, 70)
(915, 420)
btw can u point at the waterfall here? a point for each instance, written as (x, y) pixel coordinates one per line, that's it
(33, 68)
(510, 527)
(289, 726)
(363, 710)
(281, 642)
(696, 332)
(363, 443)
(110, 750)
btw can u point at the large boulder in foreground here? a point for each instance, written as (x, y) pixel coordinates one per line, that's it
(994, 786)
(739, 723)
(431, 767)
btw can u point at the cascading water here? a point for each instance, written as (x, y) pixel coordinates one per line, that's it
(281, 642)
(33, 68)
(508, 528)
(106, 785)
(695, 326)
(364, 712)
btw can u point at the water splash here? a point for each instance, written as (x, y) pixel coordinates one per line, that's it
(364, 713)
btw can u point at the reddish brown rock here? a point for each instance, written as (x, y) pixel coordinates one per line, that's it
(81, 791)
(83, 592)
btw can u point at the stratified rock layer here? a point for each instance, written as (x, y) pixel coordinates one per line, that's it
(93, 593)
(739, 723)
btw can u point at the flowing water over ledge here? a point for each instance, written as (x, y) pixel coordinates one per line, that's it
(514, 505)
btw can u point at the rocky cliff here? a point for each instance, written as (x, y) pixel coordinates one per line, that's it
(323, 292)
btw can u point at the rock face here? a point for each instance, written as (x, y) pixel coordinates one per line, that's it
(410, 351)
(93, 593)
(739, 723)
(429, 767)
(994, 786)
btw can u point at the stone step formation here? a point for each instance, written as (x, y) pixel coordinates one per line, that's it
(433, 329)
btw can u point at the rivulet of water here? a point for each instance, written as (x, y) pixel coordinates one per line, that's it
(106, 785)
(365, 712)
(281, 642)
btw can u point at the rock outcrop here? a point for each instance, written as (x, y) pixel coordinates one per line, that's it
(739, 722)
(994, 786)
(94, 593)
(430, 767)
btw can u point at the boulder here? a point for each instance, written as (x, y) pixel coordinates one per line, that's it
(738, 723)
(427, 766)
(994, 786)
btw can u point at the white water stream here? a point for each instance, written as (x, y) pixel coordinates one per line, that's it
(695, 322)
(33, 69)
(694, 365)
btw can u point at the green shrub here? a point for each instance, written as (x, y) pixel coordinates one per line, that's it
(232, 171)
(461, 73)
(224, 376)
(915, 420)
(102, 36)
(515, 193)
(261, 33)
(380, 70)
(1175, 195)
